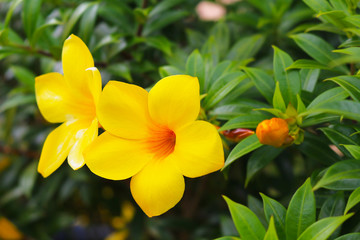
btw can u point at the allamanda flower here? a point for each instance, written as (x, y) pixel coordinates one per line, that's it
(155, 139)
(70, 99)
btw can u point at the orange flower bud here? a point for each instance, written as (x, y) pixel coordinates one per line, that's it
(238, 134)
(274, 132)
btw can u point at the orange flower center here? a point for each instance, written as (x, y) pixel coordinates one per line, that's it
(161, 143)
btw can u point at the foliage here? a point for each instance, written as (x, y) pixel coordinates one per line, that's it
(295, 60)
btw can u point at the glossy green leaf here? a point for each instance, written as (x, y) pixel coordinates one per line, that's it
(157, 22)
(309, 78)
(221, 34)
(301, 106)
(75, 16)
(289, 81)
(244, 121)
(278, 101)
(353, 200)
(271, 232)
(259, 159)
(161, 43)
(318, 5)
(350, 84)
(10, 12)
(350, 236)
(219, 71)
(263, 82)
(245, 146)
(301, 212)
(16, 100)
(195, 67)
(322, 229)
(307, 64)
(87, 23)
(344, 175)
(246, 47)
(120, 70)
(331, 95)
(346, 108)
(28, 178)
(30, 15)
(338, 138)
(333, 206)
(227, 238)
(256, 206)
(318, 149)
(222, 87)
(246, 222)
(354, 150)
(26, 77)
(274, 209)
(41, 29)
(168, 70)
(162, 6)
(318, 49)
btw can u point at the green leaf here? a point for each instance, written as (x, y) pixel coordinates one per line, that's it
(289, 81)
(30, 15)
(10, 12)
(322, 229)
(347, 109)
(350, 236)
(318, 5)
(195, 68)
(87, 23)
(219, 71)
(227, 238)
(278, 101)
(344, 175)
(350, 84)
(246, 47)
(162, 6)
(256, 206)
(210, 50)
(309, 78)
(353, 200)
(158, 22)
(27, 178)
(259, 159)
(301, 212)
(318, 149)
(75, 16)
(307, 64)
(354, 150)
(333, 206)
(41, 29)
(221, 35)
(222, 87)
(244, 121)
(271, 232)
(16, 100)
(331, 95)
(26, 77)
(262, 81)
(273, 209)
(245, 146)
(120, 70)
(246, 222)
(318, 49)
(338, 138)
(165, 71)
(301, 106)
(161, 43)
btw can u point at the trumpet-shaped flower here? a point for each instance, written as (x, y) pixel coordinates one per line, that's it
(274, 132)
(70, 99)
(155, 139)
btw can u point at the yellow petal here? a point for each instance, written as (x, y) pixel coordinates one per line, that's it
(57, 146)
(115, 158)
(158, 187)
(94, 83)
(53, 98)
(83, 138)
(175, 101)
(123, 110)
(76, 58)
(198, 149)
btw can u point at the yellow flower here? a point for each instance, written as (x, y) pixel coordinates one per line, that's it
(70, 99)
(155, 139)
(274, 132)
